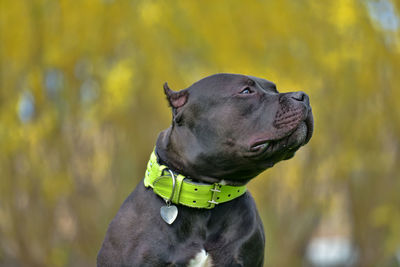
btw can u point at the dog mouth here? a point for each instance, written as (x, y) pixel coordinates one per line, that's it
(291, 141)
(288, 144)
(260, 145)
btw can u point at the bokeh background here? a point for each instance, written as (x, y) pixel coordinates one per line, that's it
(81, 105)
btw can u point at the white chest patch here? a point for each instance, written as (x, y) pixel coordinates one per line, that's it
(202, 259)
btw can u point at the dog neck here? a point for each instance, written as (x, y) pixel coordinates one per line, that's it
(187, 158)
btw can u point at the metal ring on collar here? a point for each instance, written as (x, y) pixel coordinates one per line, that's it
(168, 201)
(173, 187)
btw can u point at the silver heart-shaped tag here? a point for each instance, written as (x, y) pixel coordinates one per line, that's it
(169, 213)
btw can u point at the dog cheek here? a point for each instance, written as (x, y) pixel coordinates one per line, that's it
(229, 142)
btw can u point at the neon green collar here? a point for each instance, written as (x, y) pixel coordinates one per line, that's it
(187, 192)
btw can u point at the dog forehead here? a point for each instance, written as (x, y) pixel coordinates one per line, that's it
(219, 80)
(223, 81)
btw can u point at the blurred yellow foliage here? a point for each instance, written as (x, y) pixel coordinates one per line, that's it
(81, 104)
(117, 86)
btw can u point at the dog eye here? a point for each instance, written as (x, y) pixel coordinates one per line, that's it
(246, 90)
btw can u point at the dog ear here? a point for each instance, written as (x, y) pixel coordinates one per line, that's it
(175, 99)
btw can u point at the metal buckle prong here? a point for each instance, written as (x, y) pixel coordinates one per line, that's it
(214, 191)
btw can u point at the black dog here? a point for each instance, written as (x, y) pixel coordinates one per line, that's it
(193, 208)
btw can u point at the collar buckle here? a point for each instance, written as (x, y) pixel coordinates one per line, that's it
(214, 191)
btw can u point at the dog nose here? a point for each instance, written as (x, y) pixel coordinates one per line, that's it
(300, 96)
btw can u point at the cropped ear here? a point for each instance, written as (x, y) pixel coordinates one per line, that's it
(175, 99)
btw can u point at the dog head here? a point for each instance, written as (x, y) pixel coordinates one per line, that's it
(232, 127)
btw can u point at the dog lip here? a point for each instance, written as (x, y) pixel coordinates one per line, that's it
(260, 144)
(310, 126)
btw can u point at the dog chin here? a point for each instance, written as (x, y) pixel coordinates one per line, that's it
(299, 136)
(297, 139)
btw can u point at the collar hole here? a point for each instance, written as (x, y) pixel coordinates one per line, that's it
(229, 195)
(195, 189)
